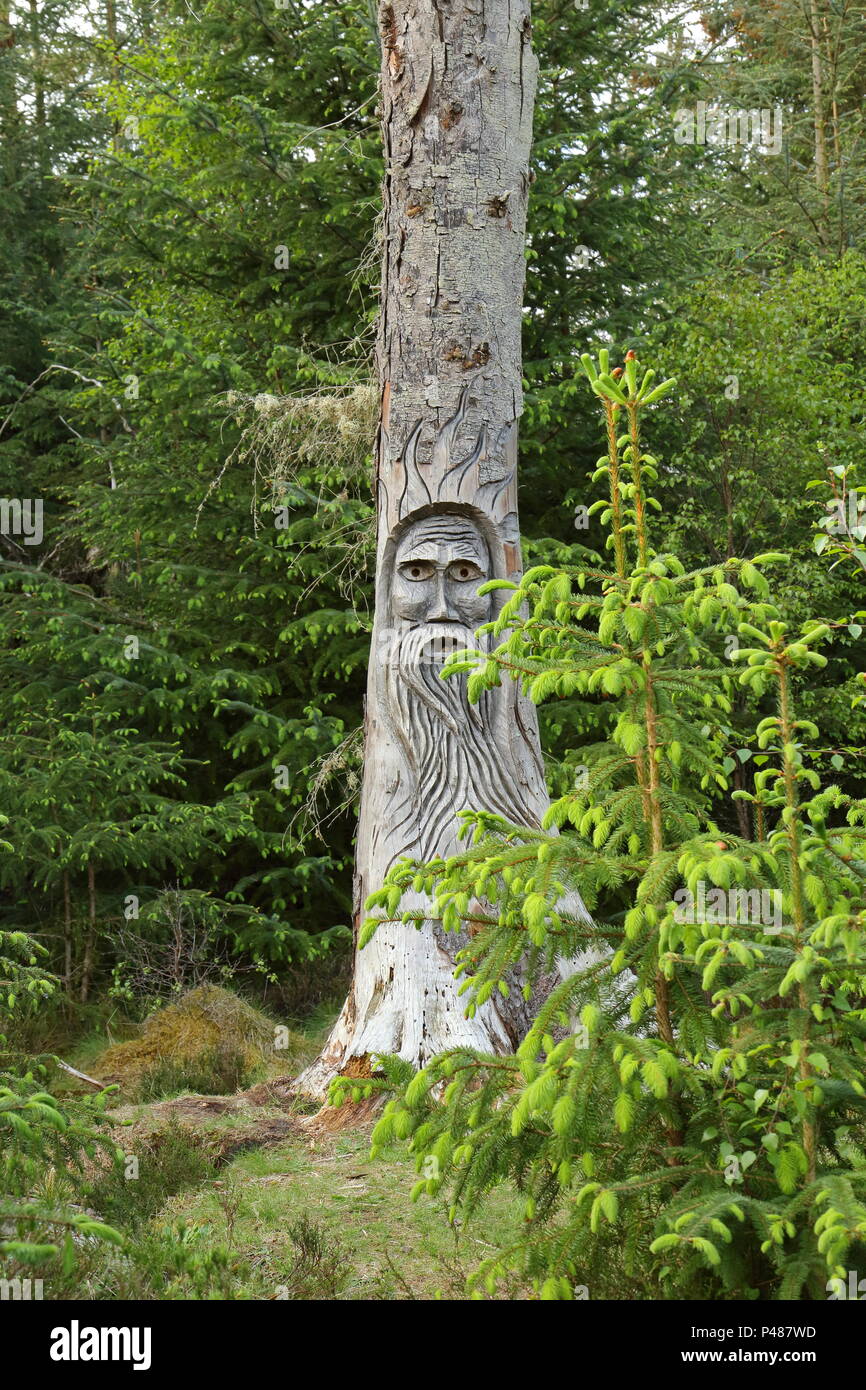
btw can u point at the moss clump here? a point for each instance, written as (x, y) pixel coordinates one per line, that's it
(207, 1036)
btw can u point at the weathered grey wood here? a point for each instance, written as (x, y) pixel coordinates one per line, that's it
(82, 1075)
(458, 87)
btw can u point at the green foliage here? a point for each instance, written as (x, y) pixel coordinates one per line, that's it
(318, 1268)
(198, 612)
(696, 1079)
(805, 64)
(159, 1262)
(45, 1145)
(187, 292)
(168, 1263)
(166, 1161)
(177, 672)
(770, 397)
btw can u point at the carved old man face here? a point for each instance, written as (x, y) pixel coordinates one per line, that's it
(440, 563)
(452, 758)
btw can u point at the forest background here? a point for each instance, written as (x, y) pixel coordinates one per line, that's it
(188, 291)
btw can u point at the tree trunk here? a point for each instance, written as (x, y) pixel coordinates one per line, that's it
(90, 938)
(67, 934)
(822, 177)
(458, 86)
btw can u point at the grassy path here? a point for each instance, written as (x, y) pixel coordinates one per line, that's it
(316, 1218)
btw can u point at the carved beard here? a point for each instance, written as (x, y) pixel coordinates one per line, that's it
(455, 761)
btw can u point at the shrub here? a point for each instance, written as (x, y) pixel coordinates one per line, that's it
(221, 1071)
(318, 1268)
(158, 1165)
(209, 1039)
(45, 1145)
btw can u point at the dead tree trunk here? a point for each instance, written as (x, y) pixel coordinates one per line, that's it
(458, 86)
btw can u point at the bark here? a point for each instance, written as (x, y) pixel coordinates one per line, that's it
(90, 938)
(822, 178)
(67, 935)
(458, 87)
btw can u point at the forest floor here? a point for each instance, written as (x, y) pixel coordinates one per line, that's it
(301, 1205)
(381, 1245)
(278, 1169)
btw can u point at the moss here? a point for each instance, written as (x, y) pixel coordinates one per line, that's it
(185, 1037)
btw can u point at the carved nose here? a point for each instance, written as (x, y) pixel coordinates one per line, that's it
(440, 608)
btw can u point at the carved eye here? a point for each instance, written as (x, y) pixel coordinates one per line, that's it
(417, 569)
(463, 571)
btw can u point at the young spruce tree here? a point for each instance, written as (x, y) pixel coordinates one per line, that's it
(686, 1117)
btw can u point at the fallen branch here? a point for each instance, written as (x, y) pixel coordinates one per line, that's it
(82, 1076)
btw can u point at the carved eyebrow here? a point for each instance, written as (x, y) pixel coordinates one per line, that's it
(427, 547)
(439, 528)
(463, 540)
(446, 538)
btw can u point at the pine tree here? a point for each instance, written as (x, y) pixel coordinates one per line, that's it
(46, 1143)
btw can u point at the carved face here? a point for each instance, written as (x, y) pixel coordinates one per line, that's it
(439, 565)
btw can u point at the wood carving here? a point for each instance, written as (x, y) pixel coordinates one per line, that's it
(458, 86)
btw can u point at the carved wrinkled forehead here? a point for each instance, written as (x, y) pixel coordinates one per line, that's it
(434, 536)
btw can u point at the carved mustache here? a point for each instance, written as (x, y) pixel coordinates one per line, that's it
(423, 644)
(417, 656)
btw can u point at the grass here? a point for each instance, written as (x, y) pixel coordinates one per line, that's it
(388, 1248)
(238, 1199)
(166, 1160)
